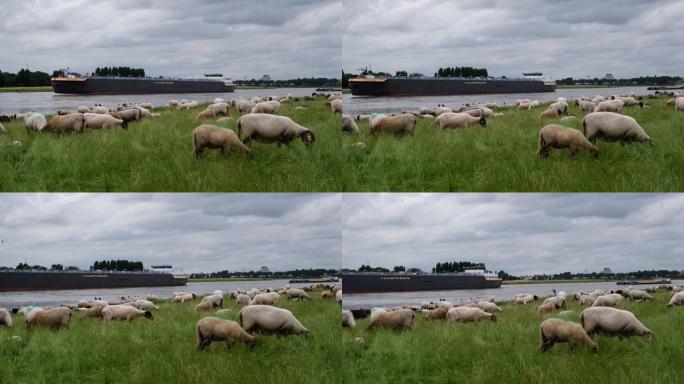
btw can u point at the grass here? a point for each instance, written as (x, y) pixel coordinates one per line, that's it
(155, 154)
(506, 351)
(163, 350)
(26, 89)
(502, 158)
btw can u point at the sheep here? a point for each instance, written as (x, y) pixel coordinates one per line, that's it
(244, 105)
(336, 106)
(400, 319)
(489, 307)
(437, 313)
(206, 114)
(327, 294)
(558, 301)
(468, 314)
(214, 300)
(611, 300)
(220, 108)
(74, 122)
(127, 115)
(272, 128)
(144, 305)
(173, 103)
(335, 289)
(338, 296)
(4, 130)
(549, 113)
(587, 106)
(459, 120)
(210, 329)
(35, 121)
(92, 312)
(295, 293)
(123, 312)
(270, 319)
(348, 319)
(524, 299)
(182, 298)
(546, 308)
(629, 101)
(5, 317)
(399, 125)
(270, 298)
(679, 103)
(559, 137)
(635, 294)
(204, 306)
(213, 137)
(348, 124)
(242, 299)
(676, 299)
(612, 322)
(610, 126)
(560, 106)
(269, 107)
(586, 300)
(100, 110)
(610, 106)
(98, 121)
(558, 331)
(54, 317)
(188, 105)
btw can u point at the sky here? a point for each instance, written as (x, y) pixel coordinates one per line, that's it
(192, 232)
(519, 233)
(575, 38)
(239, 38)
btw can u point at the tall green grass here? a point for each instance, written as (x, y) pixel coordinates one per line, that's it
(163, 350)
(506, 351)
(156, 155)
(502, 157)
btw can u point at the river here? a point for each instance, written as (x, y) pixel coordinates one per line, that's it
(49, 102)
(506, 292)
(54, 298)
(354, 105)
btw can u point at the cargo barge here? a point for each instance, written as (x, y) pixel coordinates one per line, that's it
(31, 280)
(366, 282)
(96, 85)
(443, 86)
(644, 281)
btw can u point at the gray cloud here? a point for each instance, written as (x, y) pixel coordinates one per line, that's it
(193, 232)
(240, 38)
(560, 38)
(518, 233)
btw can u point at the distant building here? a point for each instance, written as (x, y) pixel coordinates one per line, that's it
(609, 76)
(264, 269)
(607, 271)
(265, 78)
(414, 270)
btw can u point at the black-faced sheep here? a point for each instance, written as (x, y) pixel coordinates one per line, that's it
(271, 128)
(270, 319)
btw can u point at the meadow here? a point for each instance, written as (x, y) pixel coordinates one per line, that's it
(163, 350)
(506, 351)
(156, 154)
(501, 157)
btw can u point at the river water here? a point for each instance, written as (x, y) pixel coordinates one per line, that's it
(54, 298)
(506, 292)
(49, 102)
(354, 105)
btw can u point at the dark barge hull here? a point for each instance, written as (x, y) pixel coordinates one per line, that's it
(33, 281)
(365, 283)
(136, 86)
(443, 87)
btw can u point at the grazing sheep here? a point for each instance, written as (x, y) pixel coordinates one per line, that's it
(524, 299)
(336, 106)
(206, 114)
(586, 300)
(295, 293)
(327, 295)
(610, 126)
(188, 105)
(270, 319)
(5, 317)
(123, 312)
(676, 299)
(559, 137)
(587, 106)
(100, 121)
(546, 308)
(145, 305)
(269, 107)
(610, 106)
(468, 314)
(242, 299)
(267, 128)
(35, 121)
(213, 137)
(214, 300)
(92, 312)
(549, 113)
(679, 103)
(635, 294)
(348, 319)
(399, 125)
(204, 306)
(173, 103)
(54, 317)
(210, 329)
(612, 300)
(558, 331)
(400, 319)
(182, 298)
(270, 298)
(74, 122)
(437, 313)
(459, 120)
(629, 101)
(489, 307)
(560, 106)
(558, 301)
(4, 130)
(335, 289)
(348, 124)
(338, 296)
(128, 115)
(220, 108)
(612, 322)
(244, 106)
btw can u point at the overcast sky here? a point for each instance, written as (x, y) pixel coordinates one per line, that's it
(192, 232)
(518, 233)
(239, 38)
(560, 38)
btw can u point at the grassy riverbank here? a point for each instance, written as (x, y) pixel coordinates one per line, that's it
(522, 282)
(502, 157)
(26, 89)
(163, 350)
(506, 351)
(155, 154)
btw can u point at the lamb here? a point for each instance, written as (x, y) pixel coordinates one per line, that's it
(635, 294)
(269, 107)
(5, 317)
(459, 120)
(271, 128)
(98, 121)
(220, 108)
(348, 124)
(559, 137)
(336, 106)
(400, 319)
(437, 313)
(270, 298)
(558, 331)
(270, 319)
(468, 314)
(558, 301)
(54, 317)
(35, 121)
(206, 114)
(399, 125)
(610, 106)
(489, 307)
(127, 115)
(295, 293)
(612, 322)
(213, 137)
(348, 319)
(123, 312)
(210, 329)
(676, 299)
(549, 113)
(560, 106)
(546, 308)
(242, 299)
(587, 106)
(611, 126)
(75, 122)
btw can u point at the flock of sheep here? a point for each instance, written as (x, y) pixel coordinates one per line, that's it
(260, 312)
(602, 316)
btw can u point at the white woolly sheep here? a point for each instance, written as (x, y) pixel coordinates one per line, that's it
(296, 293)
(210, 329)
(270, 298)
(348, 124)
(54, 317)
(336, 106)
(269, 107)
(459, 120)
(188, 105)
(610, 106)
(676, 299)
(100, 121)
(267, 128)
(549, 113)
(560, 106)
(612, 322)
(244, 105)
(123, 313)
(610, 126)
(338, 296)
(206, 114)
(128, 115)
(92, 312)
(270, 319)
(545, 308)
(74, 122)
(242, 299)
(489, 307)
(5, 317)
(559, 137)
(558, 331)
(399, 125)
(327, 294)
(182, 298)
(400, 320)
(436, 313)
(348, 319)
(468, 314)
(35, 121)
(213, 137)
(679, 103)
(638, 295)
(587, 106)
(586, 300)
(220, 108)
(558, 301)
(525, 298)
(145, 305)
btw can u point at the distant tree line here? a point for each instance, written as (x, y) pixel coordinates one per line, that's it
(54, 267)
(117, 265)
(638, 81)
(296, 273)
(120, 72)
(24, 78)
(312, 82)
(461, 72)
(368, 268)
(456, 266)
